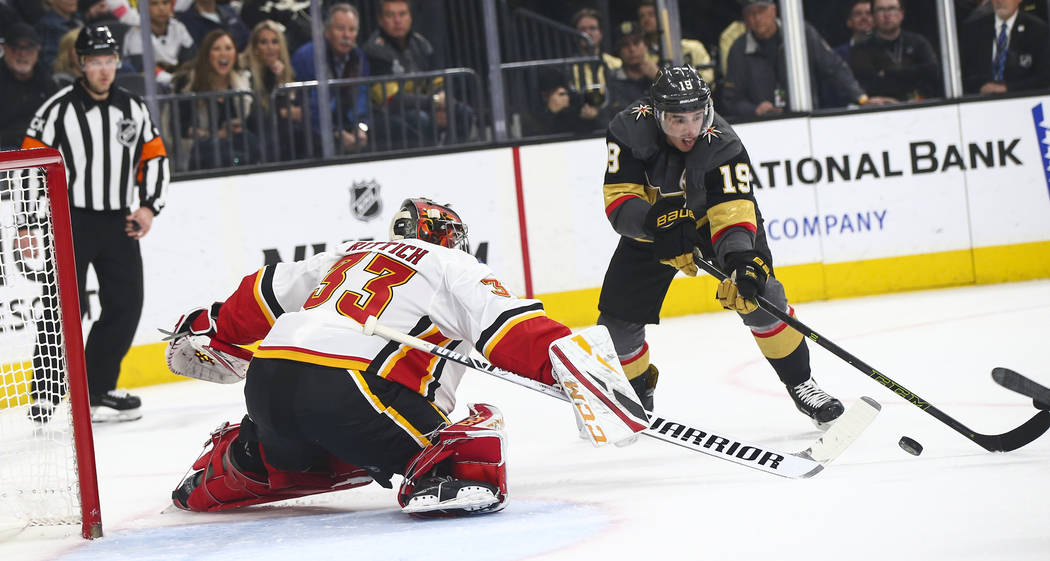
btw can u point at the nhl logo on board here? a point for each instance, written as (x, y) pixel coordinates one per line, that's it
(127, 132)
(365, 202)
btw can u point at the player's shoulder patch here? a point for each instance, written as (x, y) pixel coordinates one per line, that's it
(642, 111)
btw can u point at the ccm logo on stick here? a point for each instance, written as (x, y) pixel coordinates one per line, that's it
(714, 442)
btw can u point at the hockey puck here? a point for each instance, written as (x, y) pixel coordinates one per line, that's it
(910, 446)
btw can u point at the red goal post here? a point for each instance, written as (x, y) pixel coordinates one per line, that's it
(56, 233)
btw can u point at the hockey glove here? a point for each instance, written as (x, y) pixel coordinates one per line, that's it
(673, 229)
(195, 352)
(747, 279)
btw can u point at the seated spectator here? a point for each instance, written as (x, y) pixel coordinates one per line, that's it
(172, 43)
(1006, 50)
(349, 104)
(693, 52)
(205, 16)
(632, 80)
(894, 63)
(267, 60)
(860, 23)
(587, 77)
(219, 121)
(417, 107)
(756, 79)
(25, 84)
(62, 17)
(588, 22)
(558, 114)
(293, 15)
(67, 66)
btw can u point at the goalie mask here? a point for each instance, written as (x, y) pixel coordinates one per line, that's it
(682, 103)
(431, 222)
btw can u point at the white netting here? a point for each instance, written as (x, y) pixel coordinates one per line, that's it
(38, 472)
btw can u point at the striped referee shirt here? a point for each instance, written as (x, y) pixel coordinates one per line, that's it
(113, 154)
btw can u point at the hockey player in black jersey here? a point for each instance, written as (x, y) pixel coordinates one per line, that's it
(678, 177)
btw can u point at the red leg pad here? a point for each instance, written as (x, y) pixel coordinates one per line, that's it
(473, 449)
(222, 486)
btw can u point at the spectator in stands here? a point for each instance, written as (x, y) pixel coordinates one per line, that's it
(588, 22)
(693, 52)
(756, 81)
(559, 113)
(293, 15)
(66, 69)
(894, 63)
(268, 61)
(25, 83)
(349, 104)
(172, 43)
(632, 80)
(418, 106)
(205, 16)
(588, 77)
(62, 17)
(860, 23)
(222, 122)
(1006, 50)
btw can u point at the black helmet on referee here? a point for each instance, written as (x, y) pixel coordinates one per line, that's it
(679, 89)
(96, 40)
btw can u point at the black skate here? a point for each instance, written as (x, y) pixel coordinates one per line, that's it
(447, 496)
(115, 405)
(645, 386)
(181, 495)
(815, 403)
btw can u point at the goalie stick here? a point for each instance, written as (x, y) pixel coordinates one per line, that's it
(799, 465)
(1021, 384)
(1011, 440)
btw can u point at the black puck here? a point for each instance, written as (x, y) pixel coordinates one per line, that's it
(910, 446)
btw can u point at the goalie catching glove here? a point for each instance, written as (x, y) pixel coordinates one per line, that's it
(194, 351)
(587, 369)
(747, 279)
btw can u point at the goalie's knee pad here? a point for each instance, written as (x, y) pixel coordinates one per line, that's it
(221, 479)
(463, 472)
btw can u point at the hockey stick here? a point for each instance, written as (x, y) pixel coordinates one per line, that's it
(1021, 384)
(1011, 440)
(804, 464)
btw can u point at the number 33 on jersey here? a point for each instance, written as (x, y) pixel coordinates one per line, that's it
(306, 311)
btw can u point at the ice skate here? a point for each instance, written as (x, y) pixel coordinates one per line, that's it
(115, 405)
(815, 403)
(447, 496)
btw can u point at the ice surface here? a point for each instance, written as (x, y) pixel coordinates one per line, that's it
(653, 500)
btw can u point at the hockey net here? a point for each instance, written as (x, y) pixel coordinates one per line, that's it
(47, 467)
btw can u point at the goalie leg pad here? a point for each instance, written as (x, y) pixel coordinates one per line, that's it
(194, 351)
(219, 482)
(463, 472)
(586, 366)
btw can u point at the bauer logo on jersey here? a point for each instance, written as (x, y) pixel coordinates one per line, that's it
(642, 111)
(127, 132)
(365, 202)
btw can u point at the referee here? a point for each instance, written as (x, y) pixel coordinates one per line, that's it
(117, 175)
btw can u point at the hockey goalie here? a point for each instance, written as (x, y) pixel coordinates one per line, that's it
(330, 408)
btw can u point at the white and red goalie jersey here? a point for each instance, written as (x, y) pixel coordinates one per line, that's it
(307, 311)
